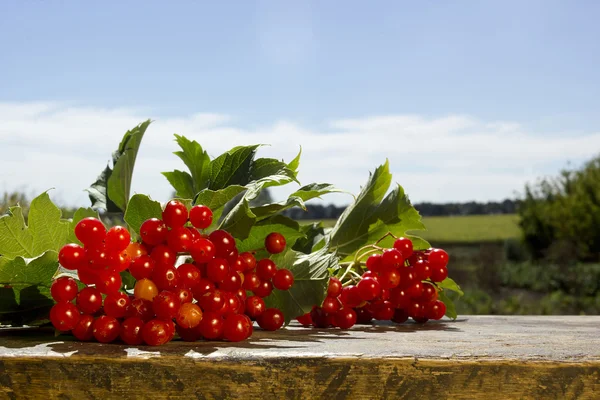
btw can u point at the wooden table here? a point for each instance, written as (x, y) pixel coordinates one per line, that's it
(492, 357)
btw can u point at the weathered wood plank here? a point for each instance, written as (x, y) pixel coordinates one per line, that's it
(491, 357)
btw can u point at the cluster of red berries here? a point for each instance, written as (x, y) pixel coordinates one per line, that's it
(399, 283)
(207, 296)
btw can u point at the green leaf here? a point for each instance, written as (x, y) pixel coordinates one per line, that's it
(450, 308)
(256, 237)
(25, 287)
(182, 182)
(373, 214)
(139, 209)
(295, 163)
(271, 168)
(46, 230)
(239, 220)
(217, 199)
(128, 280)
(311, 278)
(80, 214)
(112, 188)
(449, 284)
(313, 234)
(232, 167)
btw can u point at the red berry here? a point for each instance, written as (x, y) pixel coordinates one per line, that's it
(211, 326)
(331, 304)
(153, 231)
(321, 319)
(97, 257)
(83, 331)
(264, 289)
(439, 274)
(175, 214)
(165, 277)
(189, 316)
(363, 315)
(142, 267)
(249, 261)
(106, 329)
(64, 316)
(90, 231)
(201, 216)
(305, 320)
(392, 258)
(375, 263)
(89, 300)
(203, 250)
(134, 250)
(156, 332)
(275, 243)
(399, 298)
(251, 281)
(415, 291)
(429, 293)
(116, 304)
(117, 239)
(422, 270)
(163, 255)
(255, 306)
(389, 278)
(166, 305)
(408, 276)
(283, 279)
(64, 289)
(131, 331)
(223, 241)
(437, 258)
(435, 310)
(217, 269)
(204, 286)
(400, 316)
(266, 269)
(188, 276)
(108, 281)
(145, 289)
(180, 239)
(334, 289)
(382, 310)
(189, 334)
(368, 289)
(212, 301)
(238, 265)
(237, 327)
(141, 308)
(345, 318)
(271, 319)
(184, 295)
(416, 310)
(405, 246)
(350, 296)
(71, 256)
(87, 275)
(232, 282)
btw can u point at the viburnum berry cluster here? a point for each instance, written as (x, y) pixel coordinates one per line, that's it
(215, 294)
(396, 283)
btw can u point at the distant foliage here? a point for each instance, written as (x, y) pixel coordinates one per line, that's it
(560, 217)
(12, 199)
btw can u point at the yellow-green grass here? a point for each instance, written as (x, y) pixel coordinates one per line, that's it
(464, 229)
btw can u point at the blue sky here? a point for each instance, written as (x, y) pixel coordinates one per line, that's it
(528, 66)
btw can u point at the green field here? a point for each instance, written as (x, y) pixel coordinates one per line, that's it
(464, 229)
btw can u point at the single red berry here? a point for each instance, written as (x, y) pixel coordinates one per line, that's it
(166, 305)
(108, 281)
(416, 310)
(194, 233)
(283, 279)
(231, 283)
(437, 258)
(334, 289)
(106, 329)
(439, 274)
(142, 267)
(305, 320)
(331, 304)
(154, 231)
(189, 316)
(400, 316)
(275, 243)
(264, 289)
(399, 298)
(429, 293)
(163, 255)
(375, 263)
(405, 246)
(64, 289)
(117, 239)
(389, 278)
(165, 277)
(203, 250)
(131, 331)
(363, 315)
(233, 304)
(201, 216)
(89, 300)
(321, 319)
(255, 306)
(135, 249)
(211, 326)
(97, 257)
(204, 286)
(266, 269)
(179, 239)
(83, 331)
(237, 327)
(175, 214)
(350, 296)
(422, 270)
(90, 231)
(232, 257)
(141, 308)
(368, 288)
(119, 262)
(251, 281)
(238, 265)
(64, 316)
(87, 275)
(184, 295)
(249, 260)
(415, 291)
(223, 241)
(271, 319)
(212, 301)
(71, 256)
(392, 258)
(435, 310)
(370, 274)
(241, 293)
(408, 276)
(382, 310)
(217, 269)
(345, 318)
(189, 334)
(116, 304)
(188, 276)
(156, 332)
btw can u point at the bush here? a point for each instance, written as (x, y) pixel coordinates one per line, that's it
(560, 217)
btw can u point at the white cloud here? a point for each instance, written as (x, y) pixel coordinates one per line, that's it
(446, 158)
